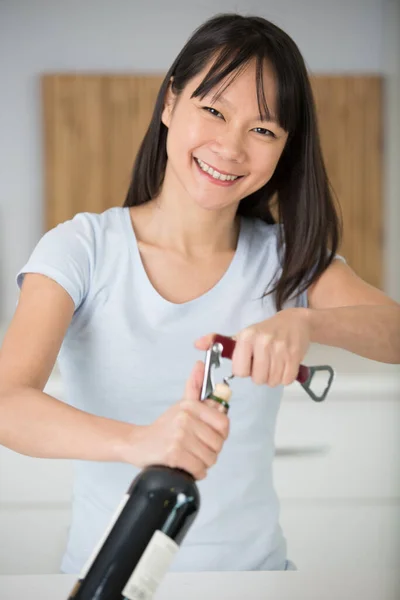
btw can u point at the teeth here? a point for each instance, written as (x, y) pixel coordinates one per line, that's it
(216, 174)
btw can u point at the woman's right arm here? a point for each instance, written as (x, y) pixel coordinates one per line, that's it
(32, 422)
(189, 435)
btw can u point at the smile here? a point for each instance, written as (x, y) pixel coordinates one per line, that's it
(214, 173)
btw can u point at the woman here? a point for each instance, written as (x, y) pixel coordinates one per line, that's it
(126, 299)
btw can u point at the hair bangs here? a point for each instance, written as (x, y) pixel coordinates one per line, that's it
(231, 62)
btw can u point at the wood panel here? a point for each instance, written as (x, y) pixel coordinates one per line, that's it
(93, 126)
(127, 103)
(350, 121)
(74, 146)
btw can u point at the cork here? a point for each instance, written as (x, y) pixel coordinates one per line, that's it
(223, 391)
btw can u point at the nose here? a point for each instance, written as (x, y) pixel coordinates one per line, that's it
(229, 146)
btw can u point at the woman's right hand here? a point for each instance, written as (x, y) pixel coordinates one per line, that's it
(189, 435)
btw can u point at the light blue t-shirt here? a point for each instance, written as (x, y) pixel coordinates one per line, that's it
(127, 355)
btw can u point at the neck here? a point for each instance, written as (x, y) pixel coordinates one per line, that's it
(191, 231)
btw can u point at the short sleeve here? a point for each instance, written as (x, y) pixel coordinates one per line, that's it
(66, 255)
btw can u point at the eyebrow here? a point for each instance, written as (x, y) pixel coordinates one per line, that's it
(264, 119)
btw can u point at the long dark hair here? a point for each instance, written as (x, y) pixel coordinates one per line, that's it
(299, 185)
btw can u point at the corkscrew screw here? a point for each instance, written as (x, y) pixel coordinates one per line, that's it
(223, 347)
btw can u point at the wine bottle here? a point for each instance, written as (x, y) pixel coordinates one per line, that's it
(144, 535)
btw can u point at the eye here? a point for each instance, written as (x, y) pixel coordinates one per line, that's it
(213, 111)
(264, 132)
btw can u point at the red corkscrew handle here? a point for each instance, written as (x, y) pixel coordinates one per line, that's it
(228, 346)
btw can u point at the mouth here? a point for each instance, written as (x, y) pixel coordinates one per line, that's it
(217, 177)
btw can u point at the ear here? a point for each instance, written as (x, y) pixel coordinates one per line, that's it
(169, 104)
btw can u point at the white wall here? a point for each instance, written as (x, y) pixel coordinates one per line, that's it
(38, 36)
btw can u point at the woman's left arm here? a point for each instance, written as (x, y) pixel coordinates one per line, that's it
(343, 311)
(347, 312)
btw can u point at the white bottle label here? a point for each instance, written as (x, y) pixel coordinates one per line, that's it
(151, 568)
(99, 545)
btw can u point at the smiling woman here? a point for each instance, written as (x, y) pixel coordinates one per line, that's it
(125, 299)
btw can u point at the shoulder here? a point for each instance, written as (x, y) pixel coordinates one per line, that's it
(86, 233)
(91, 224)
(340, 286)
(93, 237)
(70, 252)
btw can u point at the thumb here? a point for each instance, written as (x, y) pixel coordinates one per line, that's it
(195, 382)
(205, 341)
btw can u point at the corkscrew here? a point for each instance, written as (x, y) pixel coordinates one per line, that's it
(223, 347)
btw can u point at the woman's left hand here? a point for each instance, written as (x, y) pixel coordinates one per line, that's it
(270, 351)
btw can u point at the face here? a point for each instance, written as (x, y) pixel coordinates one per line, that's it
(219, 151)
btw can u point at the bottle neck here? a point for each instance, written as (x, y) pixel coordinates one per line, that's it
(219, 397)
(219, 403)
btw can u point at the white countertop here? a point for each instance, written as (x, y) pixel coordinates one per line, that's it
(269, 585)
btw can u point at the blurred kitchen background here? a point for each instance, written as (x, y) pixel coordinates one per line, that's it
(78, 82)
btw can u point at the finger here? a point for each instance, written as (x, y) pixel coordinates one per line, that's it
(261, 360)
(190, 463)
(243, 354)
(204, 343)
(208, 436)
(290, 372)
(211, 417)
(193, 465)
(202, 452)
(194, 383)
(276, 370)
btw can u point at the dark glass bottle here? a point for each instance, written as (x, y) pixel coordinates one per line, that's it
(144, 535)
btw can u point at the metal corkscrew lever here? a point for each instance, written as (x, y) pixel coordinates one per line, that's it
(223, 347)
